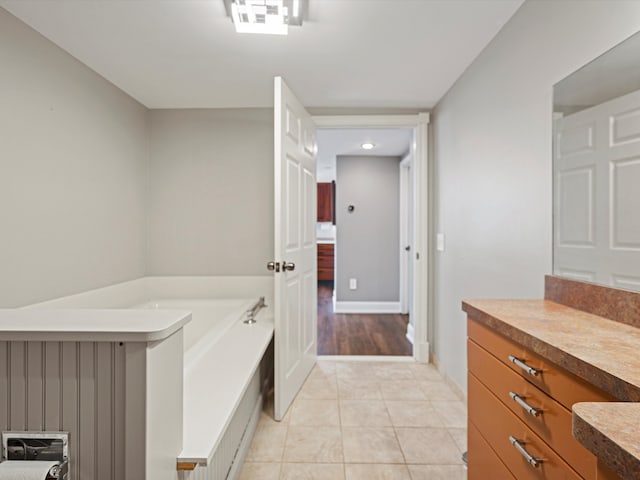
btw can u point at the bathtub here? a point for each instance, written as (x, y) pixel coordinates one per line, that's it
(210, 319)
(204, 392)
(226, 372)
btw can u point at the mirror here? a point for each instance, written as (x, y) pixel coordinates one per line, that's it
(596, 170)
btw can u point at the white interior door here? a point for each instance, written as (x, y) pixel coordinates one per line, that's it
(295, 246)
(597, 178)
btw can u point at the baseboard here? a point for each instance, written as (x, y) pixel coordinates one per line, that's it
(366, 307)
(448, 380)
(410, 332)
(365, 358)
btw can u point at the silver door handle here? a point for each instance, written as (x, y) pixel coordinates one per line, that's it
(288, 267)
(530, 370)
(534, 462)
(273, 266)
(520, 401)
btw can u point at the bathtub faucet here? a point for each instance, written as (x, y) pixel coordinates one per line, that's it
(253, 311)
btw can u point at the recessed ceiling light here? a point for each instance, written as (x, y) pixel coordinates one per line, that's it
(367, 145)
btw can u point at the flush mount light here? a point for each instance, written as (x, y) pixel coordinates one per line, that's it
(264, 16)
(367, 146)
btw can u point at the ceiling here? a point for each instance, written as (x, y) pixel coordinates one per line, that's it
(333, 142)
(348, 53)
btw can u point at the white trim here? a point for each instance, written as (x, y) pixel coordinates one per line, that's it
(410, 333)
(366, 307)
(366, 358)
(421, 244)
(368, 121)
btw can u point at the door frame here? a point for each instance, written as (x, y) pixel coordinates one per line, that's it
(420, 152)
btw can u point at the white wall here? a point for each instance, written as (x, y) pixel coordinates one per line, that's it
(492, 136)
(73, 169)
(211, 192)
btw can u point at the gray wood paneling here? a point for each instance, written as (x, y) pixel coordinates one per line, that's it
(77, 387)
(4, 385)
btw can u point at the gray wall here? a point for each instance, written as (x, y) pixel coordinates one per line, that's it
(73, 163)
(211, 192)
(367, 243)
(492, 146)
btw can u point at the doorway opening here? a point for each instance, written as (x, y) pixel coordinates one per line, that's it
(365, 236)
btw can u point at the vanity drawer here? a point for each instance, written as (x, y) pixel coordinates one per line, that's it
(483, 462)
(563, 386)
(498, 425)
(552, 422)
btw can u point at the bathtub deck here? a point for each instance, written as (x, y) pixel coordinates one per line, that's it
(211, 395)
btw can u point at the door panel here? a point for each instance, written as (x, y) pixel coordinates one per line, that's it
(295, 289)
(597, 172)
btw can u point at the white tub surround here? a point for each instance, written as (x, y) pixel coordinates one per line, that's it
(147, 375)
(92, 325)
(239, 355)
(97, 374)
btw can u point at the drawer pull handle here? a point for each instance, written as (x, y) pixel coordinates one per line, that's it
(530, 370)
(534, 462)
(534, 412)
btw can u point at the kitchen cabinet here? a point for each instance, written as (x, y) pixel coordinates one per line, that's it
(325, 262)
(326, 199)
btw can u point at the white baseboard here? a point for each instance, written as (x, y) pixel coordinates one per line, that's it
(365, 358)
(410, 332)
(366, 307)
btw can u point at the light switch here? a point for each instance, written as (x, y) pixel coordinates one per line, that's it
(440, 242)
(353, 284)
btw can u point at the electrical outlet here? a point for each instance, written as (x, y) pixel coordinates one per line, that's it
(353, 284)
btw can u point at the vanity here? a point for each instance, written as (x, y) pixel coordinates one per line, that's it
(554, 384)
(531, 362)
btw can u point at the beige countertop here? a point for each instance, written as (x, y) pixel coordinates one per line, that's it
(603, 352)
(611, 431)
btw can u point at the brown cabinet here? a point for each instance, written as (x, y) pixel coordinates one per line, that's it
(326, 194)
(325, 262)
(524, 417)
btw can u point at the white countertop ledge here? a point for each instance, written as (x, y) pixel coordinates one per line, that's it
(95, 325)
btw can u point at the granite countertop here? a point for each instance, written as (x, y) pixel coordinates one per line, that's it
(611, 431)
(603, 352)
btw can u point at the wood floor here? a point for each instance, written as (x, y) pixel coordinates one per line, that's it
(359, 334)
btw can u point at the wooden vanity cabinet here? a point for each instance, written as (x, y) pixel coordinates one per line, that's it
(520, 405)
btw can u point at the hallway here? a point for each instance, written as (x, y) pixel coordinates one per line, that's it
(364, 421)
(359, 334)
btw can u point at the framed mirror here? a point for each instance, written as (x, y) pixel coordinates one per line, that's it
(596, 170)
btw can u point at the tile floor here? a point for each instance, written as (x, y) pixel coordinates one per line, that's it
(364, 421)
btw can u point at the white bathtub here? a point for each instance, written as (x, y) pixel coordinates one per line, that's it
(223, 367)
(210, 320)
(224, 374)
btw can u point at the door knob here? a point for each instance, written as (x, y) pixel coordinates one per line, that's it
(288, 267)
(273, 266)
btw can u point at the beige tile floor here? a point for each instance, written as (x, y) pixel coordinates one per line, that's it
(364, 421)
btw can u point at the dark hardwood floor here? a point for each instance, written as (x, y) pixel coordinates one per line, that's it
(359, 334)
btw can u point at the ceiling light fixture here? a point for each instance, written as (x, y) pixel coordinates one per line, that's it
(264, 16)
(367, 146)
